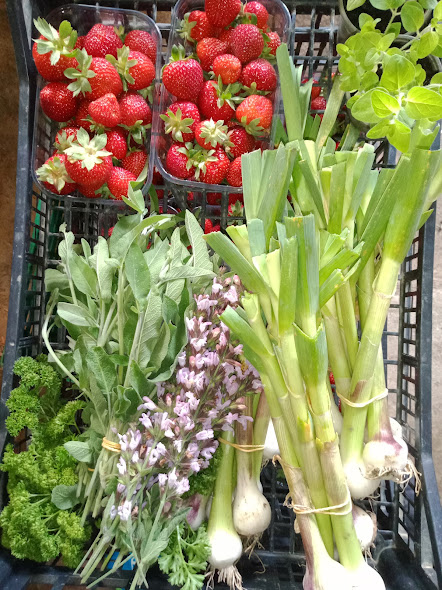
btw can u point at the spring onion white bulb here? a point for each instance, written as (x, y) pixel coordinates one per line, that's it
(365, 524)
(251, 510)
(359, 485)
(328, 574)
(365, 578)
(386, 455)
(271, 447)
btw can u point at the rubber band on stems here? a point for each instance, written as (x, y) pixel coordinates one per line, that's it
(110, 446)
(336, 510)
(376, 398)
(243, 448)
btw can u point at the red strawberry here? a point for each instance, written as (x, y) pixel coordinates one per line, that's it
(222, 12)
(228, 67)
(207, 49)
(208, 226)
(142, 41)
(274, 42)
(57, 102)
(183, 78)
(106, 79)
(135, 68)
(157, 179)
(318, 104)
(234, 177)
(65, 136)
(90, 192)
(214, 172)
(79, 44)
(102, 40)
(82, 113)
(196, 26)
(116, 143)
(332, 378)
(105, 110)
(54, 176)
(260, 73)
(135, 162)
(88, 163)
(134, 108)
(51, 50)
(118, 182)
(216, 102)
(255, 111)
(226, 37)
(235, 198)
(242, 142)
(260, 11)
(214, 198)
(180, 120)
(316, 89)
(210, 134)
(247, 42)
(177, 161)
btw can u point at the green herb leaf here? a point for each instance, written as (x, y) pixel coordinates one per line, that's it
(64, 497)
(423, 103)
(76, 315)
(54, 279)
(137, 273)
(412, 16)
(353, 4)
(384, 105)
(200, 254)
(398, 72)
(102, 367)
(79, 450)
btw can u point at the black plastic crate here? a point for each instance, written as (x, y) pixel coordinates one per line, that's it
(409, 544)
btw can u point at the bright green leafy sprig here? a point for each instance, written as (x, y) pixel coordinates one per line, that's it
(185, 558)
(38, 522)
(389, 84)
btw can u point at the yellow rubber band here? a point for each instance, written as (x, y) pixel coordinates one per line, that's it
(376, 398)
(335, 510)
(110, 446)
(243, 448)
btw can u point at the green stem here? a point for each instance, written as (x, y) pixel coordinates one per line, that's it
(221, 511)
(120, 312)
(260, 427)
(346, 306)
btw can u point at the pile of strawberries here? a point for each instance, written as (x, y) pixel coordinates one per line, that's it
(221, 89)
(98, 86)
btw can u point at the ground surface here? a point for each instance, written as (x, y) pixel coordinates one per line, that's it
(8, 154)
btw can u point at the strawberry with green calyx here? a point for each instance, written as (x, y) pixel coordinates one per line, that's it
(234, 176)
(236, 209)
(135, 68)
(102, 40)
(65, 137)
(247, 42)
(93, 77)
(221, 13)
(116, 143)
(136, 115)
(54, 51)
(143, 42)
(180, 121)
(227, 67)
(214, 169)
(259, 75)
(196, 26)
(255, 113)
(119, 181)
(178, 160)
(183, 77)
(260, 11)
(211, 134)
(105, 110)
(239, 142)
(135, 162)
(54, 176)
(148, 93)
(88, 163)
(58, 102)
(272, 42)
(217, 101)
(209, 48)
